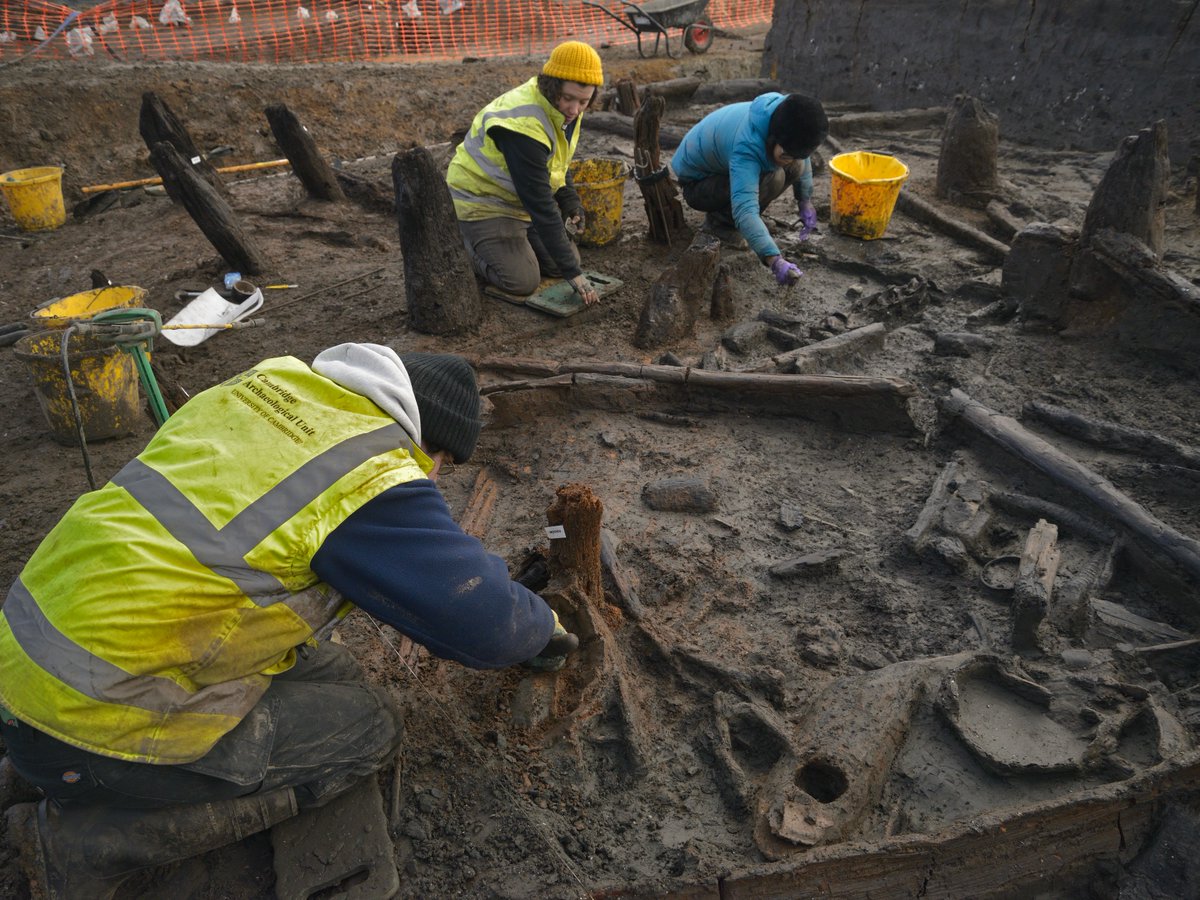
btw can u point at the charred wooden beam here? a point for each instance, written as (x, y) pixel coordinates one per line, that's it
(615, 123)
(209, 209)
(439, 281)
(625, 592)
(301, 150)
(158, 124)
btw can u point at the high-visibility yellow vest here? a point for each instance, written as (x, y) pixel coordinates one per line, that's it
(149, 621)
(480, 183)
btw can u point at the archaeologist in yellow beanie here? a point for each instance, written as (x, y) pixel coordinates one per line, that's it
(512, 192)
(165, 674)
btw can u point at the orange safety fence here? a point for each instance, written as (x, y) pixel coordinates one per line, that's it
(339, 30)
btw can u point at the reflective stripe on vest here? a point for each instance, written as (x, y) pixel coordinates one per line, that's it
(150, 619)
(480, 183)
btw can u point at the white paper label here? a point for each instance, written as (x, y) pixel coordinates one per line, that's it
(555, 531)
(195, 160)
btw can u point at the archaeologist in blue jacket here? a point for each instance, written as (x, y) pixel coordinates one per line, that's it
(165, 676)
(736, 160)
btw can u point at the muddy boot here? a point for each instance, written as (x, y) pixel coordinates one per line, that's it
(85, 852)
(722, 227)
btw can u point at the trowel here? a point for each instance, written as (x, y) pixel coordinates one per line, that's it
(210, 308)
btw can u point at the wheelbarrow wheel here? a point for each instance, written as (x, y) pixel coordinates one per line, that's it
(698, 36)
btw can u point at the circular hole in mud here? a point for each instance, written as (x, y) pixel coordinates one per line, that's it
(821, 781)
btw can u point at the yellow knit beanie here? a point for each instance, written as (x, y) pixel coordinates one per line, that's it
(575, 61)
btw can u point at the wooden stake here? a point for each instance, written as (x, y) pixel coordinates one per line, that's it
(208, 207)
(158, 124)
(300, 148)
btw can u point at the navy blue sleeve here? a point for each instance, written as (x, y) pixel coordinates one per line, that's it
(403, 559)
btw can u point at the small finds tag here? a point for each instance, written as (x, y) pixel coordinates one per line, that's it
(195, 160)
(555, 531)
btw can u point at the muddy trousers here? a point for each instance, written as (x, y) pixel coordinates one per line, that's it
(712, 196)
(316, 731)
(508, 254)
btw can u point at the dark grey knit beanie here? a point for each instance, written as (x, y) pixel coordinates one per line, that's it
(448, 397)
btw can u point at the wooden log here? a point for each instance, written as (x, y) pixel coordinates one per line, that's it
(301, 150)
(812, 358)
(158, 124)
(1008, 434)
(733, 90)
(208, 208)
(1066, 519)
(1112, 436)
(660, 195)
(923, 211)
(1034, 586)
(439, 281)
(674, 303)
(623, 590)
(680, 90)
(966, 172)
(622, 126)
(849, 124)
(1131, 197)
(1003, 221)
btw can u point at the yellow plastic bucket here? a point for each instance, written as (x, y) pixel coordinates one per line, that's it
(600, 183)
(35, 197)
(865, 187)
(62, 311)
(102, 375)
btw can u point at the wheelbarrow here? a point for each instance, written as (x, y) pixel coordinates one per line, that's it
(657, 16)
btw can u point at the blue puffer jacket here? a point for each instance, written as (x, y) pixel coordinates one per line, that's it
(733, 140)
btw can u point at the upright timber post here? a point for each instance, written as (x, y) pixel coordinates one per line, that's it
(158, 124)
(439, 282)
(301, 150)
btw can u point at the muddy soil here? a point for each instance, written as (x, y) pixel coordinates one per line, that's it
(660, 789)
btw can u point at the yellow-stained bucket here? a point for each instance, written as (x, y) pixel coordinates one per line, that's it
(102, 375)
(62, 311)
(600, 183)
(865, 187)
(35, 197)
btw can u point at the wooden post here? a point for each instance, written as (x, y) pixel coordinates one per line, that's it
(439, 281)
(575, 557)
(1131, 197)
(205, 204)
(671, 309)
(158, 124)
(659, 193)
(627, 97)
(966, 170)
(301, 150)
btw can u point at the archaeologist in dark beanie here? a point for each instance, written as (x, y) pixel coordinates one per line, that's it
(738, 159)
(509, 179)
(164, 672)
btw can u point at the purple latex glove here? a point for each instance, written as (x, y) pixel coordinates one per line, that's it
(808, 215)
(785, 272)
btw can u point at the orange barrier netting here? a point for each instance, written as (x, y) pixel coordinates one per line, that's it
(328, 30)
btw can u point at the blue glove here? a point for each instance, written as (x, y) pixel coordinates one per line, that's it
(554, 655)
(808, 215)
(785, 272)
